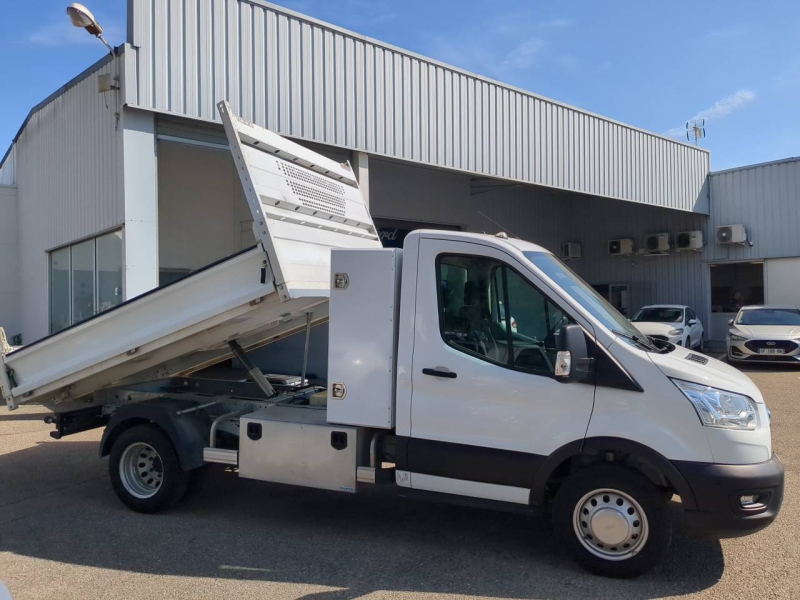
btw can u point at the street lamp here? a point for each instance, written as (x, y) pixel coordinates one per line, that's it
(83, 17)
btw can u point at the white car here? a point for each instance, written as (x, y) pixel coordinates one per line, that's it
(671, 323)
(765, 334)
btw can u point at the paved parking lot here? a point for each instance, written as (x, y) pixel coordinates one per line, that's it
(63, 534)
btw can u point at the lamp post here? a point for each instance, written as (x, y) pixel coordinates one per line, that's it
(83, 17)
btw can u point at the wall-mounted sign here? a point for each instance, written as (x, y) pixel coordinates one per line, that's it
(393, 233)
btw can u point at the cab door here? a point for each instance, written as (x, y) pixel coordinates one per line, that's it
(485, 407)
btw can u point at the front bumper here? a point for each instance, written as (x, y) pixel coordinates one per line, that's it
(718, 490)
(749, 350)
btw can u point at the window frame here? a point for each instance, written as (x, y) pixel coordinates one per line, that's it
(509, 364)
(95, 278)
(50, 288)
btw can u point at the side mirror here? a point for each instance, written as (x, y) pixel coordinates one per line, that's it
(572, 359)
(692, 322)
(730, 321)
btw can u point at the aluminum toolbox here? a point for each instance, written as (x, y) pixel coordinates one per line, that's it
(362, 342)
(295, 445)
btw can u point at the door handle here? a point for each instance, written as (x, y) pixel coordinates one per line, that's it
(438, 373)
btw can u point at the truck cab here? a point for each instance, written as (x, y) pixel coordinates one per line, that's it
(491, 412)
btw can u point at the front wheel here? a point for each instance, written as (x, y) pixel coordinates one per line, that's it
(144, 469)
(612, 520)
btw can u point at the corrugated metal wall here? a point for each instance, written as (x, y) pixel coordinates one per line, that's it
(69, 179)
(311, 80)
(766, 200)
(9, 267)
(8, 170)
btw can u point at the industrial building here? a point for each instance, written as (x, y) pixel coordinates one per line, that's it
(121, 180)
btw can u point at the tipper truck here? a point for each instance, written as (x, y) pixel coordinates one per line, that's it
(464, 367)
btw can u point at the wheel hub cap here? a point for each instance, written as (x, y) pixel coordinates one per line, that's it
(610, 524)
(141, 470)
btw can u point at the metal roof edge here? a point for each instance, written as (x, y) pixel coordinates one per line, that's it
(768, 163)
(420, 163)
(438, 63)
(96, 66)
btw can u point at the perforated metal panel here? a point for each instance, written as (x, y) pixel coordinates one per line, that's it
(302, 203)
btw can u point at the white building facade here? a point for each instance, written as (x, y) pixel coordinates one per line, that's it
(106, 195)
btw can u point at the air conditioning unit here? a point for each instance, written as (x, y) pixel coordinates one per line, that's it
(689, 240)
(656, 243)
(570, 250)
(621, 247)
(731, 234)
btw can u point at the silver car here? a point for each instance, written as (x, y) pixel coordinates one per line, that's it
(765, 334)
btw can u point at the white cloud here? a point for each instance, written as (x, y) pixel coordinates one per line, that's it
(524, 55)
(63, 33)
(720, 109)
(507, 45)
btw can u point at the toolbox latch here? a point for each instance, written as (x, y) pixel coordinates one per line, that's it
(254, 431)
(338, 440)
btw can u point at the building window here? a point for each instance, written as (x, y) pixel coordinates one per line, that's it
(85, 279)
(734, 285)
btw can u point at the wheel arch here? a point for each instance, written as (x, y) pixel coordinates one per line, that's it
(582, 453)
(188, 434)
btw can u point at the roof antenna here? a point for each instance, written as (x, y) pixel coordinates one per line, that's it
(498, 224)
(695, 130)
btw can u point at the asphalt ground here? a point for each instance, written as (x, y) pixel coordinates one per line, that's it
(64, 535)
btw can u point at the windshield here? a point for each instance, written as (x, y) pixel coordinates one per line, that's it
(769, 316)
(656, 314)
(577, 289)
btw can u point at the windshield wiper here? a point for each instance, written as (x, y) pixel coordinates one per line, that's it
(636, 339)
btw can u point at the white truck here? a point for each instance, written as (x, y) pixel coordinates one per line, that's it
(571, 411)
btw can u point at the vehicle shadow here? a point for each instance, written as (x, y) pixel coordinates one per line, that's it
(357, 544)
(766, 368)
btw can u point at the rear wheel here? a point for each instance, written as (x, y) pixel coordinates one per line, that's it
(144, 469)
(613, 521)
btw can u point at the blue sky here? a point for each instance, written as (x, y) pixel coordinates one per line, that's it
(653, 65)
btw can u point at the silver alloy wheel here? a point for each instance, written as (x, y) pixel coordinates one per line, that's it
(610, 524)
(141, 470)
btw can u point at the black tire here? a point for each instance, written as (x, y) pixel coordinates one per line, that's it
(173, 481)
(630, 483)
(688, 343)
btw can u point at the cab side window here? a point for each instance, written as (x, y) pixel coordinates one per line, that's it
(488, 310)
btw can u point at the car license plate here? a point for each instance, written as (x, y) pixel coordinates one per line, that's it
(770, 350)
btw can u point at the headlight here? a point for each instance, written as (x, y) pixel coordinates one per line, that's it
(736, 338)
(675, 332)
(718, 408)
